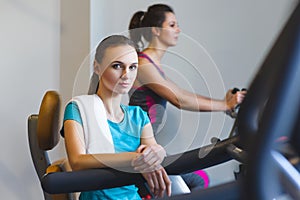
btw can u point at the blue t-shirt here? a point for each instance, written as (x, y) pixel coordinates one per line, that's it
(126, 138)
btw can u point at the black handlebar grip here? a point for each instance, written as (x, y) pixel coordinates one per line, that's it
(235, 90)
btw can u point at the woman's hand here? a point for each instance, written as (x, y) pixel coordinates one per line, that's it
(232, 100)
(148, 162)
(158, 182)
(149, 158)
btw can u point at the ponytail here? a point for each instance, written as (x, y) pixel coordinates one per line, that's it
(135, 31)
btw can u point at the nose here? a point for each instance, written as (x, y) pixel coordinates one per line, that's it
(178, 30)
(125, 73)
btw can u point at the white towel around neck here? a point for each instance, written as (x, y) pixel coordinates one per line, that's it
(97, 135)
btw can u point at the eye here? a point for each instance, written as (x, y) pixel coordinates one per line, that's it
(132, 67)
(174, 25)
(116, 66)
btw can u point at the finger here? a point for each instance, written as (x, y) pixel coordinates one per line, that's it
(167, 182)
(134, 162)
(160, 152)
(240, 98)
(141, 148)
(150, 168)
(146, 166)
(146, 150)
(243, 92)
(150, 183)
(162, 185)
(157, 153)
(156, 184)
(142, 158)
(147, 160)
(138, 161)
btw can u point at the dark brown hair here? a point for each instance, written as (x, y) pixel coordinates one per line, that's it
(141, 22)
(111, 41)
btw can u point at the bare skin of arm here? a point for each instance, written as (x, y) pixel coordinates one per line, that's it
(183, 99)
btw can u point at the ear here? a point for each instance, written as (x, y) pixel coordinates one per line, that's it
(155, 31)
(96, 67)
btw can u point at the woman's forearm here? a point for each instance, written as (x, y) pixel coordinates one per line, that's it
(112, 160)
(195, 102)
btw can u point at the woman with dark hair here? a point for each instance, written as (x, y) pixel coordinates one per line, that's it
(152, 88)
(101, 132)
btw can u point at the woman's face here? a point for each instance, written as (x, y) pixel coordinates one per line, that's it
(118, 69)
(170, 30)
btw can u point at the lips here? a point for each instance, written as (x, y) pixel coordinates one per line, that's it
(124, 84)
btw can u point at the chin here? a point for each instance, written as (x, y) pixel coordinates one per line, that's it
(173, 44)
(123, 91)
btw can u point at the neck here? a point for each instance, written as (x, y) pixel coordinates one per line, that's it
(155, 53)
(157, 48)
(112, 104)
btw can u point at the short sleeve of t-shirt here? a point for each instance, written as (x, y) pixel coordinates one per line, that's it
(71, 113)
(137, 115)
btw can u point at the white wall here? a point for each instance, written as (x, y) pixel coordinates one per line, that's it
(32, 59)
(74, 46)
(29, 38)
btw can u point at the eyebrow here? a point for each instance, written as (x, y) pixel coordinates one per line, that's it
(116, 61)
(119, 62)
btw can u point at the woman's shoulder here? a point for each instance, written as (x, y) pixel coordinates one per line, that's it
(144, 57)
(136, 113)
(146, 60)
